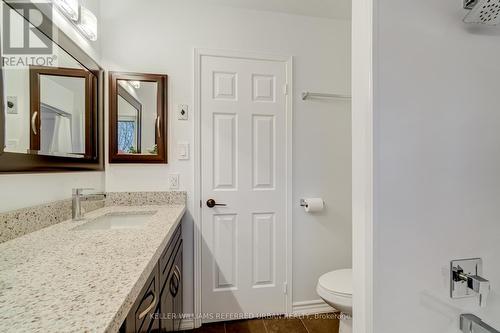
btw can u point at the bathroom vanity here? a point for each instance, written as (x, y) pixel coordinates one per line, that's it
(119, 269)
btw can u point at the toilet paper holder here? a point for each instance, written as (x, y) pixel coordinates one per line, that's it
(312, 205)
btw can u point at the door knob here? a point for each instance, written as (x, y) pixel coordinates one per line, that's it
(211, 203)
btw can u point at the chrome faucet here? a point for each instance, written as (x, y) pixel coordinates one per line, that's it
(479, 285)
(78, 197)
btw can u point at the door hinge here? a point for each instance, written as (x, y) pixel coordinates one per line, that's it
(285, 288)
(285, 89)
(201, 205)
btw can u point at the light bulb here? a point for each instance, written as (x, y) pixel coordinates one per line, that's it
(135, 84)
(68, 8)
(88, 24)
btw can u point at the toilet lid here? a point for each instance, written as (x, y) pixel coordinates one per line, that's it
(339, 282)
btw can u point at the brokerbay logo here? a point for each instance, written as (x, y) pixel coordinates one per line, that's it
(27, 34)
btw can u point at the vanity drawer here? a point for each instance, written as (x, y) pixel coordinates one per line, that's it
(141, 317)
(167, 257)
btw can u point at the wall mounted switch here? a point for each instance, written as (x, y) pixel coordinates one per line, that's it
(182, 112)
(173, 181)
(183, 151)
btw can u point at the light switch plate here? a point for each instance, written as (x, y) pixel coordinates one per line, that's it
(470, 267)
(12, 105)
(183, 151)
(182, 112)
(173, 181)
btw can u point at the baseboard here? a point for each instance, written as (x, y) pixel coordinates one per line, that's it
(187, 324)
(311, 307)
(298, 309)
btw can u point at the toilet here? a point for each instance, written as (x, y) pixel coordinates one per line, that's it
(335, 288)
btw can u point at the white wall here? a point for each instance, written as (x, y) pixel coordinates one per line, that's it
(437, 163)
(17, 133)
(19, 191)
(322, 145)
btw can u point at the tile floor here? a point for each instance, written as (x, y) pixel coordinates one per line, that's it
(322, 323)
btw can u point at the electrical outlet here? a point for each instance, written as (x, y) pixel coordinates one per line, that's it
(182, 112)
(173, 181)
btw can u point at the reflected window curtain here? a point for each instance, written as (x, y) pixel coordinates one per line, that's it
(62, 140)
(126, 136)
(55, 130)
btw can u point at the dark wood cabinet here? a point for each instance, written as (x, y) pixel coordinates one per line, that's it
(159, 305)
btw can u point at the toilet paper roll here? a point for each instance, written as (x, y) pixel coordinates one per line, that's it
(314, 205)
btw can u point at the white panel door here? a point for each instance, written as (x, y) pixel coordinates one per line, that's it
(243, 151)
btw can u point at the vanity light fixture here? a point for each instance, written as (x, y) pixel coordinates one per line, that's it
(69, 8)
(87, 24)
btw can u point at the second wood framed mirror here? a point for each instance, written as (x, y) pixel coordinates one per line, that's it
(137, 118)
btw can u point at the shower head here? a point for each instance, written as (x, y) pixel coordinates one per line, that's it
(482, 11)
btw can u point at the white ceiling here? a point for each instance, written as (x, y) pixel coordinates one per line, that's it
(338, 9)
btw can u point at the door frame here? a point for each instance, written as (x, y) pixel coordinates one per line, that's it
(197, 235)
(363, 71)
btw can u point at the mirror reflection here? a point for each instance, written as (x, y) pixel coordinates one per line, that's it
(48, 106)
(59, 116)
(138, 119)
(62, 127)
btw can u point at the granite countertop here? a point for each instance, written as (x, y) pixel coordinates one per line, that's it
(62, 280)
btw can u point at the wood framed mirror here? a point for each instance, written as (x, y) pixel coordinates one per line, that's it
(137, 118)
(51, 114)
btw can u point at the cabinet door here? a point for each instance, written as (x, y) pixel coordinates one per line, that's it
(167, 257)
(177, 270)
(142, 317)
(171, 296)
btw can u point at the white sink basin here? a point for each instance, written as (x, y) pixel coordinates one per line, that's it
(122, 220)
